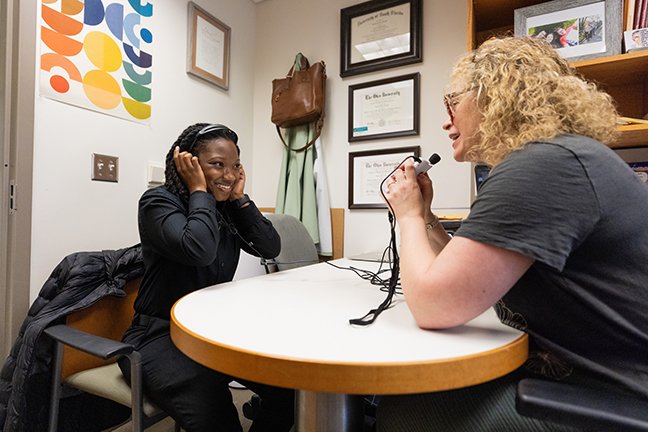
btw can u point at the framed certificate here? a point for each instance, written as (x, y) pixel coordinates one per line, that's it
(208, 55)
(368, 169)
(380, 34)
(385, 108)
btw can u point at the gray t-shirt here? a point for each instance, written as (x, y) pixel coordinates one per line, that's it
(576, 208)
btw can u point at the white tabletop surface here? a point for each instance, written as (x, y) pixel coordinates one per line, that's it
(304, 313)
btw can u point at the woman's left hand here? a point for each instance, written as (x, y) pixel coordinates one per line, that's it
(239, 187)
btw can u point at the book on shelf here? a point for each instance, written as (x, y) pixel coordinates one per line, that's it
(640, 14)
(635, 40)
(630, 14)
(635, 15)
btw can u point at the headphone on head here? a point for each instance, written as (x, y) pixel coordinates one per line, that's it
(229, 133)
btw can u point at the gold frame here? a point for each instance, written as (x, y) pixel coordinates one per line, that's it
(221, 58)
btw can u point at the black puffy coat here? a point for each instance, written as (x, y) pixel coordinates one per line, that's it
(77, 282)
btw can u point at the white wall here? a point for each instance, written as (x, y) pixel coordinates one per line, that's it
(285, 27)
(73, 213)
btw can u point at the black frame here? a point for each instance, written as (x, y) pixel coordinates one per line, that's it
(414, 150)
(416, 78)
(414, 55)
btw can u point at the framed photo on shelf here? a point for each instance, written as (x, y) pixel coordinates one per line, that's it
(384, 108)
(208, 53)
(368, 169)
(578, 29)
(636, 39)
(380, 34)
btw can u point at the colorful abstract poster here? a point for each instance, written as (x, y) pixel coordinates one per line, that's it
(96, 54)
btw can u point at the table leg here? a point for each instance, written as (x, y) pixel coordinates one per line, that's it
(328, 412)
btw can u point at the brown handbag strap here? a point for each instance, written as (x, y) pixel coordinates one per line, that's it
(318, 131)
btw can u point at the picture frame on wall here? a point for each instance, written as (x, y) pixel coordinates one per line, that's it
(380, 34)
(578, 29)
(385, 108)
(208, 53)
(368, 169)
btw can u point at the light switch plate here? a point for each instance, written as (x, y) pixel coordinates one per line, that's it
(105, 168)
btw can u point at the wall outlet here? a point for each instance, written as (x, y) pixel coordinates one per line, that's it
(155, 175)
(105, 168)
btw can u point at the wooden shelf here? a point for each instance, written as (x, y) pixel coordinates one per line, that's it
(614, 70)
(623, 76)
(632, 136)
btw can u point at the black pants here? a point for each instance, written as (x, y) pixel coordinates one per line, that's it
(196, 397)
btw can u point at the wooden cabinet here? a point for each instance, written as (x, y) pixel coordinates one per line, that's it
(623, 76)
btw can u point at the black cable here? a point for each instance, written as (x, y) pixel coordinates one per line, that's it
(391, 285)
(223, 221)
(394, 281)
(373, 277)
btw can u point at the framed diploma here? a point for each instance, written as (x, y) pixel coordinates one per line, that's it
(208, 53)
(368, 169)
(385, 108)
(380, 34)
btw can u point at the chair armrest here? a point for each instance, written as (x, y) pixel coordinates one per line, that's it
(86, 342)
(581, 407)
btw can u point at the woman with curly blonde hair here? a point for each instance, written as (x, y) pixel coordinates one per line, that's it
(556, 239)
(523, 104)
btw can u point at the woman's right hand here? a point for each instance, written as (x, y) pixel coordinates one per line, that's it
(190, 171)
(404, 193)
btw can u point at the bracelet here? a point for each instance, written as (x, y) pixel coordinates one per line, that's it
(242, 201)
(431, 225)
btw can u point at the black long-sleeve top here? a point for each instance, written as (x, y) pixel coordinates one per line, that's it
(188, 247)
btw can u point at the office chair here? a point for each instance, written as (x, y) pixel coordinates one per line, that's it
(86, 350)
(582, 408)
(297, 246)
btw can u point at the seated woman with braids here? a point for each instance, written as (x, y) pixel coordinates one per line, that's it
(192, 230)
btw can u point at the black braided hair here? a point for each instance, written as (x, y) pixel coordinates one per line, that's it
(173, 182)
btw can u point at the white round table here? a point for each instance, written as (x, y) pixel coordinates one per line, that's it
(291, 329)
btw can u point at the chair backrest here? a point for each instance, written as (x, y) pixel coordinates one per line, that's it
(110, 317)
(297, 247)
(337, 230)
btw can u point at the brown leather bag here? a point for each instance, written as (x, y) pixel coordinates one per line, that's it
(298, 99)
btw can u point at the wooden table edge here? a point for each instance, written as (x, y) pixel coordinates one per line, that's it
(351, 378)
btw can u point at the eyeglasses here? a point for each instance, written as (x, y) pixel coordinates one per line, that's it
(229, 133)
(450, 101)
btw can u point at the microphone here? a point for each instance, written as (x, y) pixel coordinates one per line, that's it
(422, 165)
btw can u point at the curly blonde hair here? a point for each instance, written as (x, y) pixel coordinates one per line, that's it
(526, 92)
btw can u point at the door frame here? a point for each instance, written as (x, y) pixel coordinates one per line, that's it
(18, 21)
